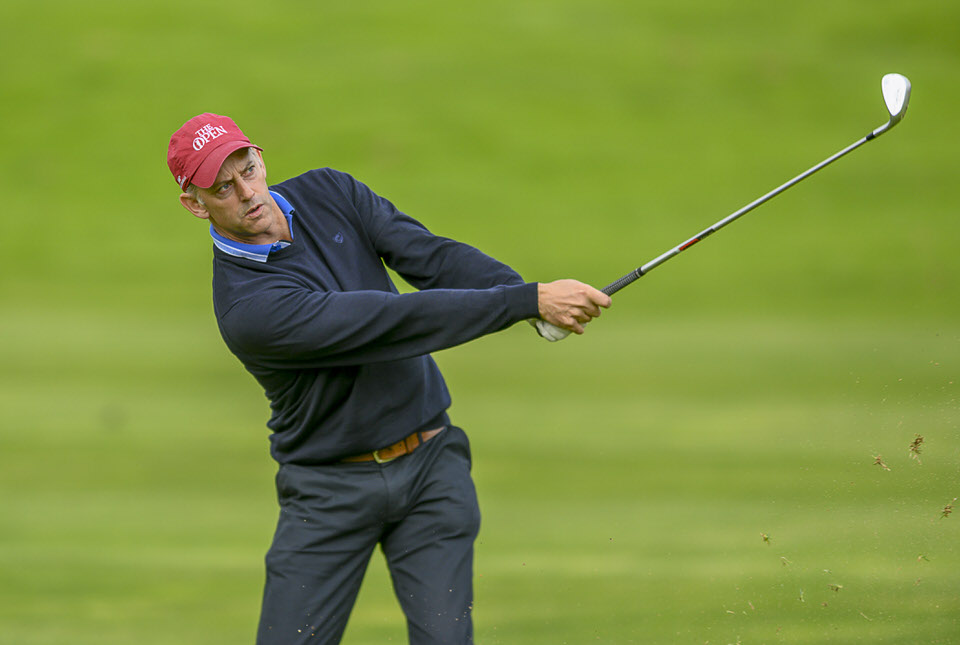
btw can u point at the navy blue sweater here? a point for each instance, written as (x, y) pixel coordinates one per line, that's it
(341, 355)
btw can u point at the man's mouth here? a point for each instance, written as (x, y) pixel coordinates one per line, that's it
(256, 211)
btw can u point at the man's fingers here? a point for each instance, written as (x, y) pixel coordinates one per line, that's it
(595, 299)
(598, 297)
(593, 310)
(585, 316)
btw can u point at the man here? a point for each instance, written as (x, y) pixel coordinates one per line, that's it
(359, 426)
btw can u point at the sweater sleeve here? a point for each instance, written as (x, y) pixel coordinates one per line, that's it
(424, 260)
(288, 326)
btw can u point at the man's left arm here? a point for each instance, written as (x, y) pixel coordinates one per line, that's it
(429, 261)
(425, 260)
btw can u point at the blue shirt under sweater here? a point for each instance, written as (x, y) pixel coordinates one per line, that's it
(342, 356)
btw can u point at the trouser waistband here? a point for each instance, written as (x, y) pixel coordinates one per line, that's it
(403, 447)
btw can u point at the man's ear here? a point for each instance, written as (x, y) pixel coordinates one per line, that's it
(192, 204)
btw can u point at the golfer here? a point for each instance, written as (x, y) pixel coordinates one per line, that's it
(367, 454)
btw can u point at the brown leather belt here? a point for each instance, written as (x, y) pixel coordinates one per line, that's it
(403, 447)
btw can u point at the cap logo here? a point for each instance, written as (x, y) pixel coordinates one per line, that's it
(207, 133)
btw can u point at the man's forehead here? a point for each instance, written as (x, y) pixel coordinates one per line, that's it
(236, 159)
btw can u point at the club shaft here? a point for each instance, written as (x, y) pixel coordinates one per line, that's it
(620, 283)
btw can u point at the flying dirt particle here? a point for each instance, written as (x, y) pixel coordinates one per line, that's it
(784, 561)
(947, 509)
(865, 616)
(878, 461)
(915, 448)
(922, 558)
(835, 588)
(765, 538)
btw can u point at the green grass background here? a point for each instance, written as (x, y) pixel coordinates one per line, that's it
(625, 476)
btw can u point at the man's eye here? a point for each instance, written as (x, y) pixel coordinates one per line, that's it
(223, 189)
(249, 171)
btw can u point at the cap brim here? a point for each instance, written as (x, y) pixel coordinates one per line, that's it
(207, 173)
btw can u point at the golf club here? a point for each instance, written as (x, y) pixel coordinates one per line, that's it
(896, 96)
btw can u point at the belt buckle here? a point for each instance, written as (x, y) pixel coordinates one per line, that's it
(380, 460)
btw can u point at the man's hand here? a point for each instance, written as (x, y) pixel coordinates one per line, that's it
(567, 305)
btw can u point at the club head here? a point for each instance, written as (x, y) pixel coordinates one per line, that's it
(896, 96)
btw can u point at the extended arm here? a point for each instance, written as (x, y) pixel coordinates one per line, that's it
(428, 261)
(290, 326)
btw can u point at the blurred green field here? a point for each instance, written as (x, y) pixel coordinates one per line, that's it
(626, 477)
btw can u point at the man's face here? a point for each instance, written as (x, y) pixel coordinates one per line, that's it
(238, 204)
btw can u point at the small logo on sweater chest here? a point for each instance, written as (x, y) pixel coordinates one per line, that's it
(338, 238)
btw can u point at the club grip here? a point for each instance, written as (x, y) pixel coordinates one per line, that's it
(619, 284)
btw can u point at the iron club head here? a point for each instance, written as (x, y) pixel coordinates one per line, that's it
(896, 96)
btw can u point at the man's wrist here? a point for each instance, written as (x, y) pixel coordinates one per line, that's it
(523, 299)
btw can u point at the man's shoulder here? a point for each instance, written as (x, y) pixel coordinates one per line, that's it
(318, 181)
(320, 193)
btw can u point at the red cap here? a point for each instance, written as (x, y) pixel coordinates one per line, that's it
(199, 147)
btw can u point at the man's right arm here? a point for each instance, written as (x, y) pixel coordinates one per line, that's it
(289, 326)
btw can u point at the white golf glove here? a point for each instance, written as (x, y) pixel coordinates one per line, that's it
(550, 331)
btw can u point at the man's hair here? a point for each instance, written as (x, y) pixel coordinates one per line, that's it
(195, 193)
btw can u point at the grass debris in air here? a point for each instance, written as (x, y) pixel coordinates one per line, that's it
(947, 509)
(915, 447)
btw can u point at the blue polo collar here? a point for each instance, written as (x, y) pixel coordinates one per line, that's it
(257, 252)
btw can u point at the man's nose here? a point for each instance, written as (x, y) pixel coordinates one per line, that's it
(245, 190)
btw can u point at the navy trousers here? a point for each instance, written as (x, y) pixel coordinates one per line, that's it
(422, 510)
